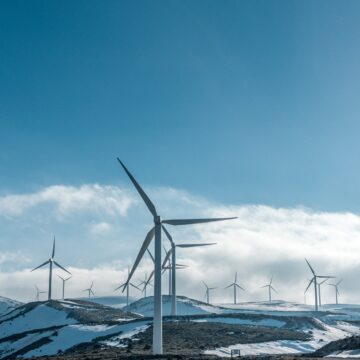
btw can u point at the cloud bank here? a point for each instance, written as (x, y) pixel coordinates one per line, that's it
(100, 228)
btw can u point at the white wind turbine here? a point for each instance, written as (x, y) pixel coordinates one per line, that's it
(90, 290)
(63, 285)
(314, 281)
(235, 285)
(319, 287)
(270, 288)
(155, 231)
(174, 265)
(125, 285)
(51, 261)
(38, 292)
(336, 290)
(146, 283)
(207, 292)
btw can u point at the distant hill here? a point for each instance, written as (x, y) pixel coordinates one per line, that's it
(46, 328)
(185, 306)
(7, 305)
(116, 302)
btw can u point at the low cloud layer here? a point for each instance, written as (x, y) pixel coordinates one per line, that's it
(99, 230)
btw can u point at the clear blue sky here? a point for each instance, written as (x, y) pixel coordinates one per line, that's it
(238, 101)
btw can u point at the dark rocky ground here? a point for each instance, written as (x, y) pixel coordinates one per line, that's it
(189, 339)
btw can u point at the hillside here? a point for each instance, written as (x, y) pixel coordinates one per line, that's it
(7, 305)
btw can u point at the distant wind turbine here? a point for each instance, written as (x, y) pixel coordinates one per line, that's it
(126, 286)
(155, 231)
(336, 290)
(51, 261)
(90, 290)
(207, 292)
(38, 292)
(63, 285)
(270, 288)
(315, 282)
(174, 266)
(235, 285)
(145, 284)
(319, 287)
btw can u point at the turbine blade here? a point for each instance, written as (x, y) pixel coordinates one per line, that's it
(142, 193)
(229, 286)
(61, 278)
(167, 257)
(312, 270)
(134, 286)
(235, 278)
(53, 251)
(59, 266)
(326, 277)
(240, 287)
(311, 281)
(144, 246)
(150, 277)
(167, 234)
(274, 289)
(92, 292)
(205, 285)
(339, 282)
(193, 245)
(194, 221)
(46, 262)
(120, 286)
(151, 255)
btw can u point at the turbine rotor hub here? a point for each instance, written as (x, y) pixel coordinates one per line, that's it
(157, 220)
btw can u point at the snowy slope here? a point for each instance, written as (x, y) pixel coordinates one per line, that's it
(116, 302)
(46, 327)
(185, 306)
(7, 305)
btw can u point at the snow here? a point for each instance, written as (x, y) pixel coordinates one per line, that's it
(72, 335)
(319, 339)
(346, 354)
(185, 306)
(237, 321)
(42, 316)
(7, 305)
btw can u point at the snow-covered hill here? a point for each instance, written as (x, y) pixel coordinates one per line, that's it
(185, 306)
(45, 328)
(116, 302)
(7, 305)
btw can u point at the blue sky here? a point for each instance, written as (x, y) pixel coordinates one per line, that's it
(242, 101)
(236, 108)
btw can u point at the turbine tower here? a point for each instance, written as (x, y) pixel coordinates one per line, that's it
(270, 288)
(235, 285)
(38, 292)
(125, 285)
(89, 290)
(319, 287)
(51, 261)
(63, 285)
(314, 280)
(207, 292)
(174, 266)
(155, 231)
(336, 290)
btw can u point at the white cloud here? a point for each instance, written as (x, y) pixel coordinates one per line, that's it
(263, 241)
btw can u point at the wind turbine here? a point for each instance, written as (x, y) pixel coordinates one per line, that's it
(336, 290)
(207, 292)
(63, 285)
(270, 287)
(155, 231)
(174, 266)
(319, 287)
(126, 285)
(145, 282)
(235, 285)
(38, 292)
(314, 280)
(89, 290)
(51, 261)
